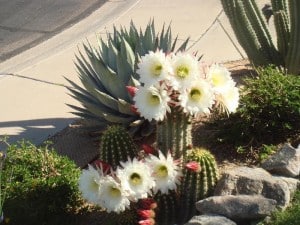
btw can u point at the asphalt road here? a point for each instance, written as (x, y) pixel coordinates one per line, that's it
(26, 23)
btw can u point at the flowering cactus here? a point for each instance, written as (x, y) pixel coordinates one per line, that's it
(173, 90)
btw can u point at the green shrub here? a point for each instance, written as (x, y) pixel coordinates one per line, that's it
(43, 186)
(269, 111)
(291, 216)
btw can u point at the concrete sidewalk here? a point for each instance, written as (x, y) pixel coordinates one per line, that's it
(35, 107)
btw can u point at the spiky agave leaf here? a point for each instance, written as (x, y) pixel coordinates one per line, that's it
(106, 69)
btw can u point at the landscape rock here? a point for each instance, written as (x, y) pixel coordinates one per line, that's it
(237, 207)
(285, 162)
(293, 184)
(210, 220)
(253, 181)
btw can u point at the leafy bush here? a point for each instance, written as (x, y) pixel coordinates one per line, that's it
(43, 185)
(269, 111)
(291, 216)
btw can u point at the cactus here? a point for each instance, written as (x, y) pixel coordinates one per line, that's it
(197, 185)
(293, 54)
(105, 71)
(174, 133)
(254, 36)
(116, 146)
(167, 209)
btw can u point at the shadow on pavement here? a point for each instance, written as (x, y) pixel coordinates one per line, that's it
(35, 131)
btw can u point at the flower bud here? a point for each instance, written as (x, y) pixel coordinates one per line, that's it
(193, 166)
(148, 203)
(147, 222)
(148, 149)
(131, 90)
(146, 213)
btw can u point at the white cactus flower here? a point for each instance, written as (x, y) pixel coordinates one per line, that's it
(152, 102)
(165, 171)
(198, 98)
(154, 67)
(113, 197)
(135, 177)
(89, 184)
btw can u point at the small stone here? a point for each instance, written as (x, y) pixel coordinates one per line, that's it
(210, 220)
(253, 181)
(285, 162)
(292, 183)
(237, 207)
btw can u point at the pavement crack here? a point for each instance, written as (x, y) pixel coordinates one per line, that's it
(35, 79)
(16, 29)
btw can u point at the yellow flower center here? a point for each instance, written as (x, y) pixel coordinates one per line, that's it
(195, 94)
(135, 179)
(217, 79)
(182, 72)
(154, 99)
(162, 171)
(156, 69)
(115, 192)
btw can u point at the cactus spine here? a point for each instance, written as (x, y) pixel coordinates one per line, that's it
(253, 34)
(197, 185)
(116, 146)
(174, 133)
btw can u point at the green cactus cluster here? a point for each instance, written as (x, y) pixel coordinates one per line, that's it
(253, 34)
(116, 146)
(197, 185)
(106, 69)
(174, 133)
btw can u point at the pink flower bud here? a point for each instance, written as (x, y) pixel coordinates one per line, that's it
(193, 166)
(148, 203)
(102, 165)
(146, 213)
(147, 222)
(131, 90)
(148, 149)
(134, 109)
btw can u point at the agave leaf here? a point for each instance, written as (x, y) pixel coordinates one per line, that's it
(116, 119)
(136, 122)
(184, 45)
(107, 100)
(125, 107)
(112, 53)
(133, 82)
(125, 62)
(109, 79)
(174, 44)
(87, 72)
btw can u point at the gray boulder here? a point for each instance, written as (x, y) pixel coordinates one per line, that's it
(285, 162)
(253, 181)
(237, 207)
(292, 183)
(210, 220)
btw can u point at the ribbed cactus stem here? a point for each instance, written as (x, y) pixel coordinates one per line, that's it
(174, 133)
(244, 31)
(293, 56)
(197, 185)
(279, 5)
(259, 26)
(116, 146)
(167, 208)
(281, 22)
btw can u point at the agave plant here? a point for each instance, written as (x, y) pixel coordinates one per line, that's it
(106, 69)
